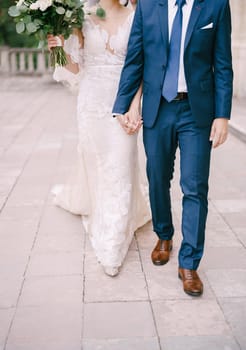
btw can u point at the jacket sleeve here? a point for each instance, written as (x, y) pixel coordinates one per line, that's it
(132, 72)
(223, 73)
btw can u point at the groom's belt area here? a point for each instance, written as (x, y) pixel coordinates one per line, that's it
(181, 96)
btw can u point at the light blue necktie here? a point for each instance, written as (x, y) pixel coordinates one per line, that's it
(170, 85)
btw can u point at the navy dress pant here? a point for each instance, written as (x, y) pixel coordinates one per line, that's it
(175, 127)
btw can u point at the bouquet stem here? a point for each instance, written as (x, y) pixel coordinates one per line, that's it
(58, 57)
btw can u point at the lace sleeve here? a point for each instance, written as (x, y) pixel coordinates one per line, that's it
(61, 74)
(72, 48)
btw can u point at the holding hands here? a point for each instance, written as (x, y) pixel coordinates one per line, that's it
(131, 121)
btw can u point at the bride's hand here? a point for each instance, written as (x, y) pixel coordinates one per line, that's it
(124, 121)
(130, 125)
(54, 41)
(134, 119)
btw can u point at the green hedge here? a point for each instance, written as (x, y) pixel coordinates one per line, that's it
(8, 35)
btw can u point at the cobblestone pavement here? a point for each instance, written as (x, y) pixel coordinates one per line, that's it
(53, 294)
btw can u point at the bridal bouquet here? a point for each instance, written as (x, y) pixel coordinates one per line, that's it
(57, 17)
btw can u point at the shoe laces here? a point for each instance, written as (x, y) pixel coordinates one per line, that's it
(189, 275)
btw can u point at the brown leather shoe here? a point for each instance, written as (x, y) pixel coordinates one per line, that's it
(191, 282)
(161, 252)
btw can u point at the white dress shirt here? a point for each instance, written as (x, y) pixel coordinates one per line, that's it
(172, 9)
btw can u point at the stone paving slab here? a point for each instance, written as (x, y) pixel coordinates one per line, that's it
(200, 343)
(238, 123)
(129, 285)
(53, 293)
(50, 327)
(222, 238)
(233, 279)
(47, 290)
(235, 312)
(118, 320)
(240, 232)
(9, 291)
(226, 258)
(180, 318)
(13, 265)
(121, 344)
(6, 316)
(55, 264)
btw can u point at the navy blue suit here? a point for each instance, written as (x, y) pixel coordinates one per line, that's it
(187, 124)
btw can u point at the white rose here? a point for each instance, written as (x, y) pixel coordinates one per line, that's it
(44, 4)
(41, 4)
(34, 6)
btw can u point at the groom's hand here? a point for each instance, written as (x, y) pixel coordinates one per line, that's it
(219, 131)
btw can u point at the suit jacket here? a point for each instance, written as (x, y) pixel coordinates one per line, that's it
(207, 60)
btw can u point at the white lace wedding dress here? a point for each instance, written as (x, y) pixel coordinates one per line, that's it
(109, 188)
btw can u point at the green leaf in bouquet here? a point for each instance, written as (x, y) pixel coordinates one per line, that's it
(48, 30)
(31, 27)
(69, 3)
(27, 19)
(78, 19)
(20, 27)
(100, 12)
(66, 36)
(60, 10)
(42, 36)
(77, 4)
(38, 22)
(41, 44)
(23, 8)
(69, 13)
(14, 11)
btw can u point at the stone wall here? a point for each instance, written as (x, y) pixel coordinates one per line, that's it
(24, 61)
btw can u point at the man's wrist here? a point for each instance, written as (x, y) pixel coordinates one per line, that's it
(226, 118)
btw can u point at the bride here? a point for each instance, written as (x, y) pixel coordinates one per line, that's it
(110, 189)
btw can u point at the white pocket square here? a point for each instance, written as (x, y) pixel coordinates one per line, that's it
(208, 26)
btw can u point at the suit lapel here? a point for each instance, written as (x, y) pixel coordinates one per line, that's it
(163, 18)
(195, 13)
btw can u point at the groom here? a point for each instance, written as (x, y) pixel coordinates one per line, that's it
(181, 52)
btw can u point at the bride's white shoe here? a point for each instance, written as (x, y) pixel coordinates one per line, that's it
(111, 270)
